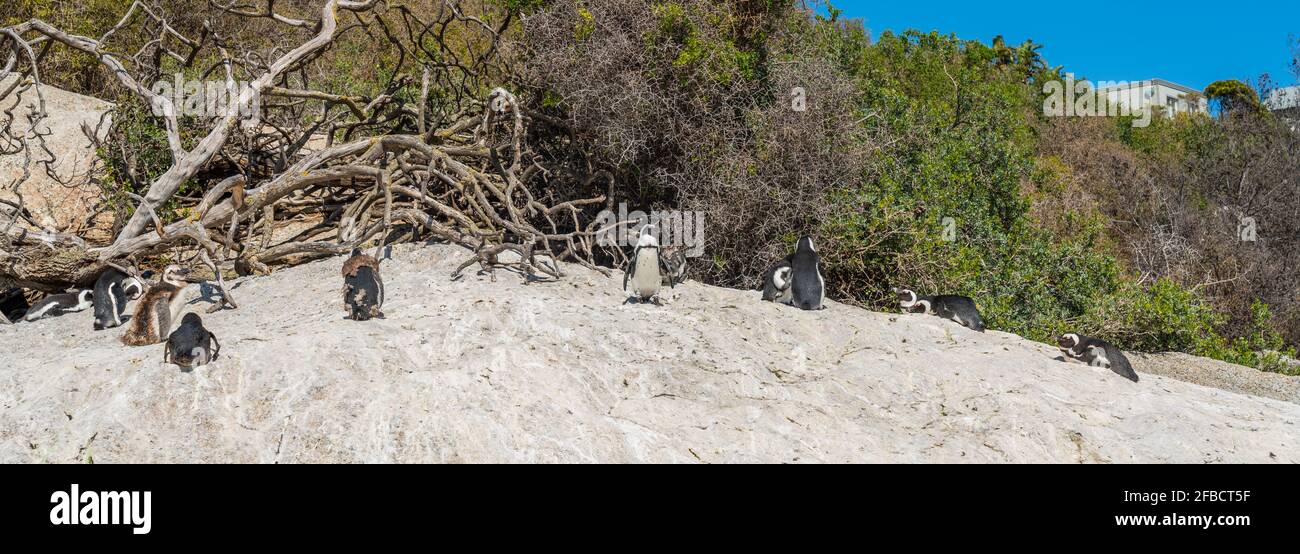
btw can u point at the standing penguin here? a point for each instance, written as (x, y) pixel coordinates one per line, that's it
(674, 265)
(157, 309)
(644, 268)
(1097, 353)
(58, 304)
(363, 288)
(948, 306)
(191, 345)
(112, 290)
(806, 283)
(776, 283)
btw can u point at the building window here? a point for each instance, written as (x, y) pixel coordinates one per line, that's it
(1172, 104)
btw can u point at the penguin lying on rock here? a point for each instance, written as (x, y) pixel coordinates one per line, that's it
(1097, 353)
(58, 304)
(948, 306)
(191, 345)
(363, 288)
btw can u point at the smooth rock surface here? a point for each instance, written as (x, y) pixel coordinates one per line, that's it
(480, 371)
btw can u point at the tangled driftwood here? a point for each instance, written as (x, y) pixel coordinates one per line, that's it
(472, 170)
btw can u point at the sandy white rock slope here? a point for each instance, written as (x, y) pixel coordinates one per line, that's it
(481, 371)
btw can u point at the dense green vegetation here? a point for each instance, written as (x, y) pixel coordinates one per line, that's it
(965, 188)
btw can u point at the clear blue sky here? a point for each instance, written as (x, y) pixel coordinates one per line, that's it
(1191, 42)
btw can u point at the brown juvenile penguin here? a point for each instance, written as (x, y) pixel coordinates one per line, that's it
(157, 309)
(363, 288)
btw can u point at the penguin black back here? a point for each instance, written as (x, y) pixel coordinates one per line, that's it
(363, 287)
(191, 344)
(806, 278)
(957, 308)
(112, 291)
(674, 264)
(1097, 353)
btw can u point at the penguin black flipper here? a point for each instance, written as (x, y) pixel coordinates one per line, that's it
(631, 266)
(216, 346)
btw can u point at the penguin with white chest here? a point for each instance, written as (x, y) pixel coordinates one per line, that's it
(58, 304)
(646, 270)
(112, 291)
(808, 289)
(961, 309)
(363, 288)
(776, 283)
(191, 345)
(1097, 353)
(157, 310)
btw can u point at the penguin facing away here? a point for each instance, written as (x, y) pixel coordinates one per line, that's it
(1097, 353)
(58, 304)
(807, 286)
(363, 288)
(157, 309)
(948, 306)
(191, 344)
(674, 263)
(112, 291)
(776, 283)
(645, 267)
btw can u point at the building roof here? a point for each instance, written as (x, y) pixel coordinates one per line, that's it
(1175, 86)
(1161, 82)
(1283, 98)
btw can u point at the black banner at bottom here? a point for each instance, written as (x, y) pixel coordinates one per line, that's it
(302, 505)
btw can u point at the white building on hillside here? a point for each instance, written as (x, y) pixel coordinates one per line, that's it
(1285, 102)
(1173, 98)
(1283, 99)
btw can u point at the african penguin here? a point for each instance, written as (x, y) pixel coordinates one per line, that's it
(363, 288)
(1097, 353)
(674, 261)
(948, 306)
(112, 291)
(157, 309)
(58, 304)
(807, 286)
(644, 268)
(191, 345)
(776, 284)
